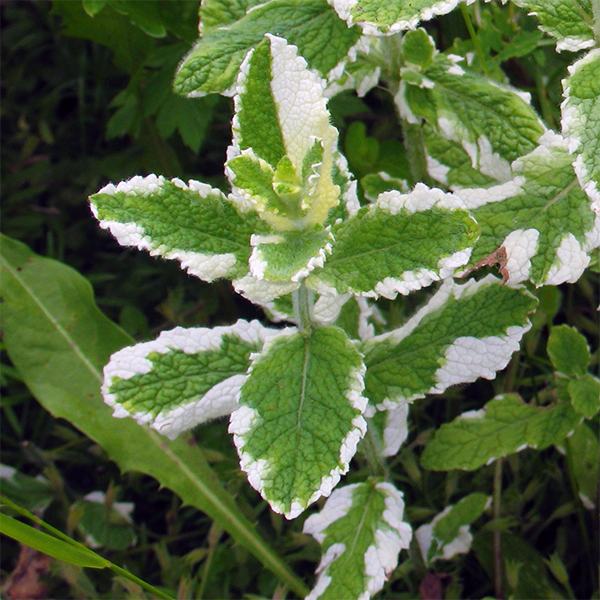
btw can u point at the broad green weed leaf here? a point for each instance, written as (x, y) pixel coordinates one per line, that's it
(385, 17)
(462, 333)
(581, 122)
(59, 341)
(183, 378)
(494, 125)
(300, 417)
(570, 22)
(401, 243)
(48, 544)
(311, 25)
(34, 493)
(504, 426)
(449, 532)
(539, 226)
(583, 454)
(585, 395)
(361, 531)
(568, 351)
(193, 223)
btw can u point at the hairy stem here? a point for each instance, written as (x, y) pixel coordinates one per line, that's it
(478, 49)
(415, 149)
(303, 301)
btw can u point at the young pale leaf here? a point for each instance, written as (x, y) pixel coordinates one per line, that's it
(183, 378)
(585, 395)
(193, 223)
(581, 122)
(568, 351)
(300, 418)
(448, 534)
(539, 226)
(494, 125)
(401, 243)
(361, 531)
(311, 25)
(385, 17)
(570, 22)
(504, 426)
(464, 332)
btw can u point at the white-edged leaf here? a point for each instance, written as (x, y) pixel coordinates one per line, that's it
(300, 417)
(504, 426)
(183, 378)
(464, 332)
(538, 226)
(401, 243)
(449, 534)
(361, 531)
(392, 427)
(193, 223)
(219, 13)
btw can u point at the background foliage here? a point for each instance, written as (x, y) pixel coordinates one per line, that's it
(87, 99)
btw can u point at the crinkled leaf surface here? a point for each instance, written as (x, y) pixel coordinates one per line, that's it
(311, 25)
(568, 351)
(192, 223)
(183, 378)
(539, 226)
(504, 426)
(448, 534)
(581, 122)
(300, 418)
(361, 531)
(401, 243)
(218, 13)
(494, 125)
(379, 17)
(464, 332)
(570, 22)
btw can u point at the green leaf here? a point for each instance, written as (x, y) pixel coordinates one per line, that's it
(64, 332)
(143, 13)
(504, 426)
(401, 243)
(570, 22)
(48, 544)
(568, 351)
(540, 225)
(300, 417)
(34, 493)
(584, 457)
(361, 531)
(311, 25)
(218, 13)
(462, 333)
(585, 395)
(193, 223)
(494, 125)
(183, 378)
(581, 122)
(448, 533)
(378, 17)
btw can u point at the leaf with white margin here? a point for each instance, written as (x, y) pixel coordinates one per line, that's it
(392, 426)
(360, 318)
(570, 22)
(494, 124)
(218, 13)
(399, 244)
(262, 291)
(300, 417)
(449, 534)
(539, 226)
(464, 332)
(193, 223)
(283, 137)
(385, 17)
(581, 122)
(361, 531)
(312, 25)
(183, 378)
(504, 426)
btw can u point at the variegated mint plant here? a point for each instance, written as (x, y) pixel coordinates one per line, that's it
(490, 185)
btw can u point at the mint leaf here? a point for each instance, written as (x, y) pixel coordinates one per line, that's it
(183, 378)
(218, 13)
(401, 243)
(585, 395)
(300, 417)
(568, 351)
(462, 333)
(361, 531)
(311, 25)
(504, 426)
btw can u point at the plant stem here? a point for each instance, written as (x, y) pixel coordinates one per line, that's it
(415, 150)
(596, 25)
(478, 49)
(302, 301)
(370, 448)
(497, 535)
